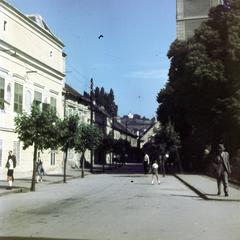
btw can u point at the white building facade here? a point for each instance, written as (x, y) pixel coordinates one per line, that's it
(32, 66)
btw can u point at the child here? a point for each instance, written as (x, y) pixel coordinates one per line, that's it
(155, 172)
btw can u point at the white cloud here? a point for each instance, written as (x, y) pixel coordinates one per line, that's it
(149, 74)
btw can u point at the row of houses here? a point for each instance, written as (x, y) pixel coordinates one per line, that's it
(32, 68)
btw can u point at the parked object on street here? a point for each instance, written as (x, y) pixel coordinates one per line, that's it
(222, 168)
(146, 162)
(155, 172)
(10, 165)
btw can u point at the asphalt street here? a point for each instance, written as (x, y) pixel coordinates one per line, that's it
(118, 205)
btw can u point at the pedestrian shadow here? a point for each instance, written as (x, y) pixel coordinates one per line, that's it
(211, 194)
(38, 238)
(185, 196)
(148, 184)
(23, 180)
(131, 176)
(216, 197)
(13, 187)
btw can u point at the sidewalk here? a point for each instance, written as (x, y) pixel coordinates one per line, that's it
(22, 183)
(206, 187)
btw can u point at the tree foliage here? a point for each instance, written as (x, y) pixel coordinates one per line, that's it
(107, 100)
(87, 137)
(37, 129)
(202, 95)
(65, 139)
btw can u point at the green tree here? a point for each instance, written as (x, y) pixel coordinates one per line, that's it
(67, 130)
(202, 96)
(87, 137)
(106, 146)
(106, 100)
(37, 129)
(112, 108)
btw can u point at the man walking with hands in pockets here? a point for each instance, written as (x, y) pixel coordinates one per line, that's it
(222, 168)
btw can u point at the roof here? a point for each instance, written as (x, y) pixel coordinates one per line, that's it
(69, 91)
(122, 128)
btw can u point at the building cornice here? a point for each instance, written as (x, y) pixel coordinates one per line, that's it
(192, 18)
(30, 23)
(18, 54)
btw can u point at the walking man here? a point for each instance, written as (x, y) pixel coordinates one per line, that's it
(222, 168)
(146, 162)
(10, 165)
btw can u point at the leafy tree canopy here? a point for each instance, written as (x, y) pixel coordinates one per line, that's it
(202, 95)
(107, 100)
(37, 128)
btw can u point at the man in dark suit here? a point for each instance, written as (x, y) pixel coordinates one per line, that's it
(222, 168)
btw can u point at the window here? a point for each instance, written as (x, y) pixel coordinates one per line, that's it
(194, 8)
(70, 111)
(70, 154)
(16, 151)
(190, 27)
(1, 151)
(28, 101)
(53, 158)
(2, 84)
(18, 98)
(37, 98)
(53, 103)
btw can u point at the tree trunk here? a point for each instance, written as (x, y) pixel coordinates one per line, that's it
(104, 161)
(83, 163)
(32, 189)
(179, 161)
(91, 161)
(65, 165)
(111, 160)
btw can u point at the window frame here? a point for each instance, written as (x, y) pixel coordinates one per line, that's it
(17, 151)
(36, 101)
(53, 158)
(2, 90)
(18, 107)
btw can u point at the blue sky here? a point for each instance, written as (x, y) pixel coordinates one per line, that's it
(130, 58)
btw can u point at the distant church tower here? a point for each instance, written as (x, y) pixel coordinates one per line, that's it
(190, 14)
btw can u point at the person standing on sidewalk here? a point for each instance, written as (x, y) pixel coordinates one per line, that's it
(155, 172)
(222, 168)
(39, 170)
(10, 165)
(146, 162)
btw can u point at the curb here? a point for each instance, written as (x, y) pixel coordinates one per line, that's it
(199, 193)
(17, 190)
(26, 189)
